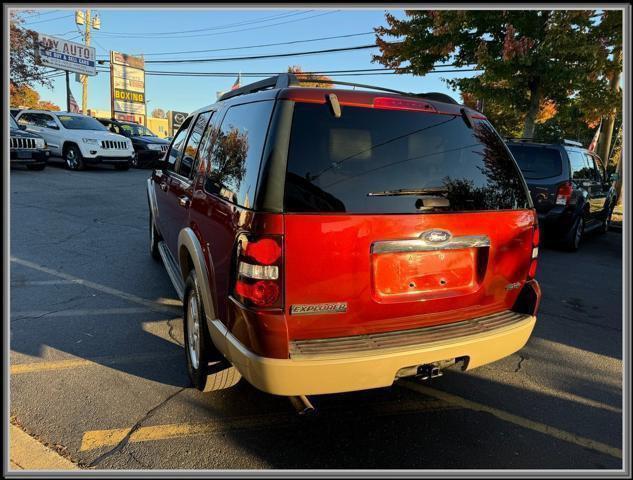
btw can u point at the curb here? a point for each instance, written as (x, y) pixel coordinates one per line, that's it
(26, 453)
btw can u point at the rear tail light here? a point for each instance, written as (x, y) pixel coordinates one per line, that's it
(258, 275)
(563, 194)
(536, 237)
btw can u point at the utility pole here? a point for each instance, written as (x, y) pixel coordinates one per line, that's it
(84, 96)
(86, 19)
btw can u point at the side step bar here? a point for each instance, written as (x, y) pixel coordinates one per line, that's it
(172, 269)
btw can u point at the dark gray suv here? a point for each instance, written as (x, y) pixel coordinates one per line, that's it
(569, 186)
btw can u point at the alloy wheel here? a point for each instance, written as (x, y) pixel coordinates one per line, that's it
(193, 331)
(71, 159)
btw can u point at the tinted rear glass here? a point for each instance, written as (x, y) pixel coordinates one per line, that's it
(352, 163)
(537, 162)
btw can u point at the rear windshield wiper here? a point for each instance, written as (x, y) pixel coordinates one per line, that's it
(410, 191)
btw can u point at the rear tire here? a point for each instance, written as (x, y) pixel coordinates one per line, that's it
(199, 349)
(154, 238)
(574, 237)
(73, 158)
(606, 222)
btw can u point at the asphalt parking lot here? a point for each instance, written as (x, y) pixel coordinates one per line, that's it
(98, 370)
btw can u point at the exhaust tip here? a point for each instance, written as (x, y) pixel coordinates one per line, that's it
(302, 405)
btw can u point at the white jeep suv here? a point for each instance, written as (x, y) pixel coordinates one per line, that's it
(79, 139)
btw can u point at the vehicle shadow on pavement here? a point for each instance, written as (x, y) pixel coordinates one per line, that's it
(113, 344)
(357, 429)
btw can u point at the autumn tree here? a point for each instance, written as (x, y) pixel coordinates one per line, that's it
(159, 113)
(308, 79)
(25, 96)
(23, 68)
(531, 61)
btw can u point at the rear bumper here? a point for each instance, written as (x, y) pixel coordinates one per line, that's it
(332, 373)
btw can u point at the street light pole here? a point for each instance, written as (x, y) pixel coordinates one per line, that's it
(145, 116)
(67, 91)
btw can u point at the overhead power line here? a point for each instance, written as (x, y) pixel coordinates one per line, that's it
(244, 47)
(37, 13)
(49, 19)
(332, 73)
(256, 57)
(228, 31)
(217, 27)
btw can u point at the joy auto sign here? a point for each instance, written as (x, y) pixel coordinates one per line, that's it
(64, 55)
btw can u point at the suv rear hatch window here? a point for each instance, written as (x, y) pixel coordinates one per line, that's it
(364, 193)
(368, 159)
(537, 162)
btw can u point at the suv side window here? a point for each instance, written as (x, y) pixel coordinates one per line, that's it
(596, 165)
(42, 119)
(177, 145)
(580, 169)
(237, 152)
(186, 165)
(26, 119)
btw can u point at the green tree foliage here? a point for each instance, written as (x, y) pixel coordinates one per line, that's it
(535, 63)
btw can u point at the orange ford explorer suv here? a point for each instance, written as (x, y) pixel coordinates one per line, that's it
(328, 240)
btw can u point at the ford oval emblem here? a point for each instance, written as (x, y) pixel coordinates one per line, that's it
(436, 236)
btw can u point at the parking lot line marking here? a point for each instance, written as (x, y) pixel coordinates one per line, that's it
(80, 312)
(35, 283)
(515, 419)
(170, 301)
(96, 286)
(44, 366)
(94, 439)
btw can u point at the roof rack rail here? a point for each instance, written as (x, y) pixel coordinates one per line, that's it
(362, 85)
(279, 81)
(284, 80)
(562, 141)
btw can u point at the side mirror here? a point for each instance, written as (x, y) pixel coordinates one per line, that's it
(614, 177)
(52, 125)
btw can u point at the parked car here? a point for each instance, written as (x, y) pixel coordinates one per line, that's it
(148, 147)
(79, 139)
(569, 186)
(327, 240)
(27, 148)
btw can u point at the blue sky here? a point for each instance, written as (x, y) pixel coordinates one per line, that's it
(146, 31)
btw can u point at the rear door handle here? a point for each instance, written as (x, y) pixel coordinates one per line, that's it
(183, 201)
